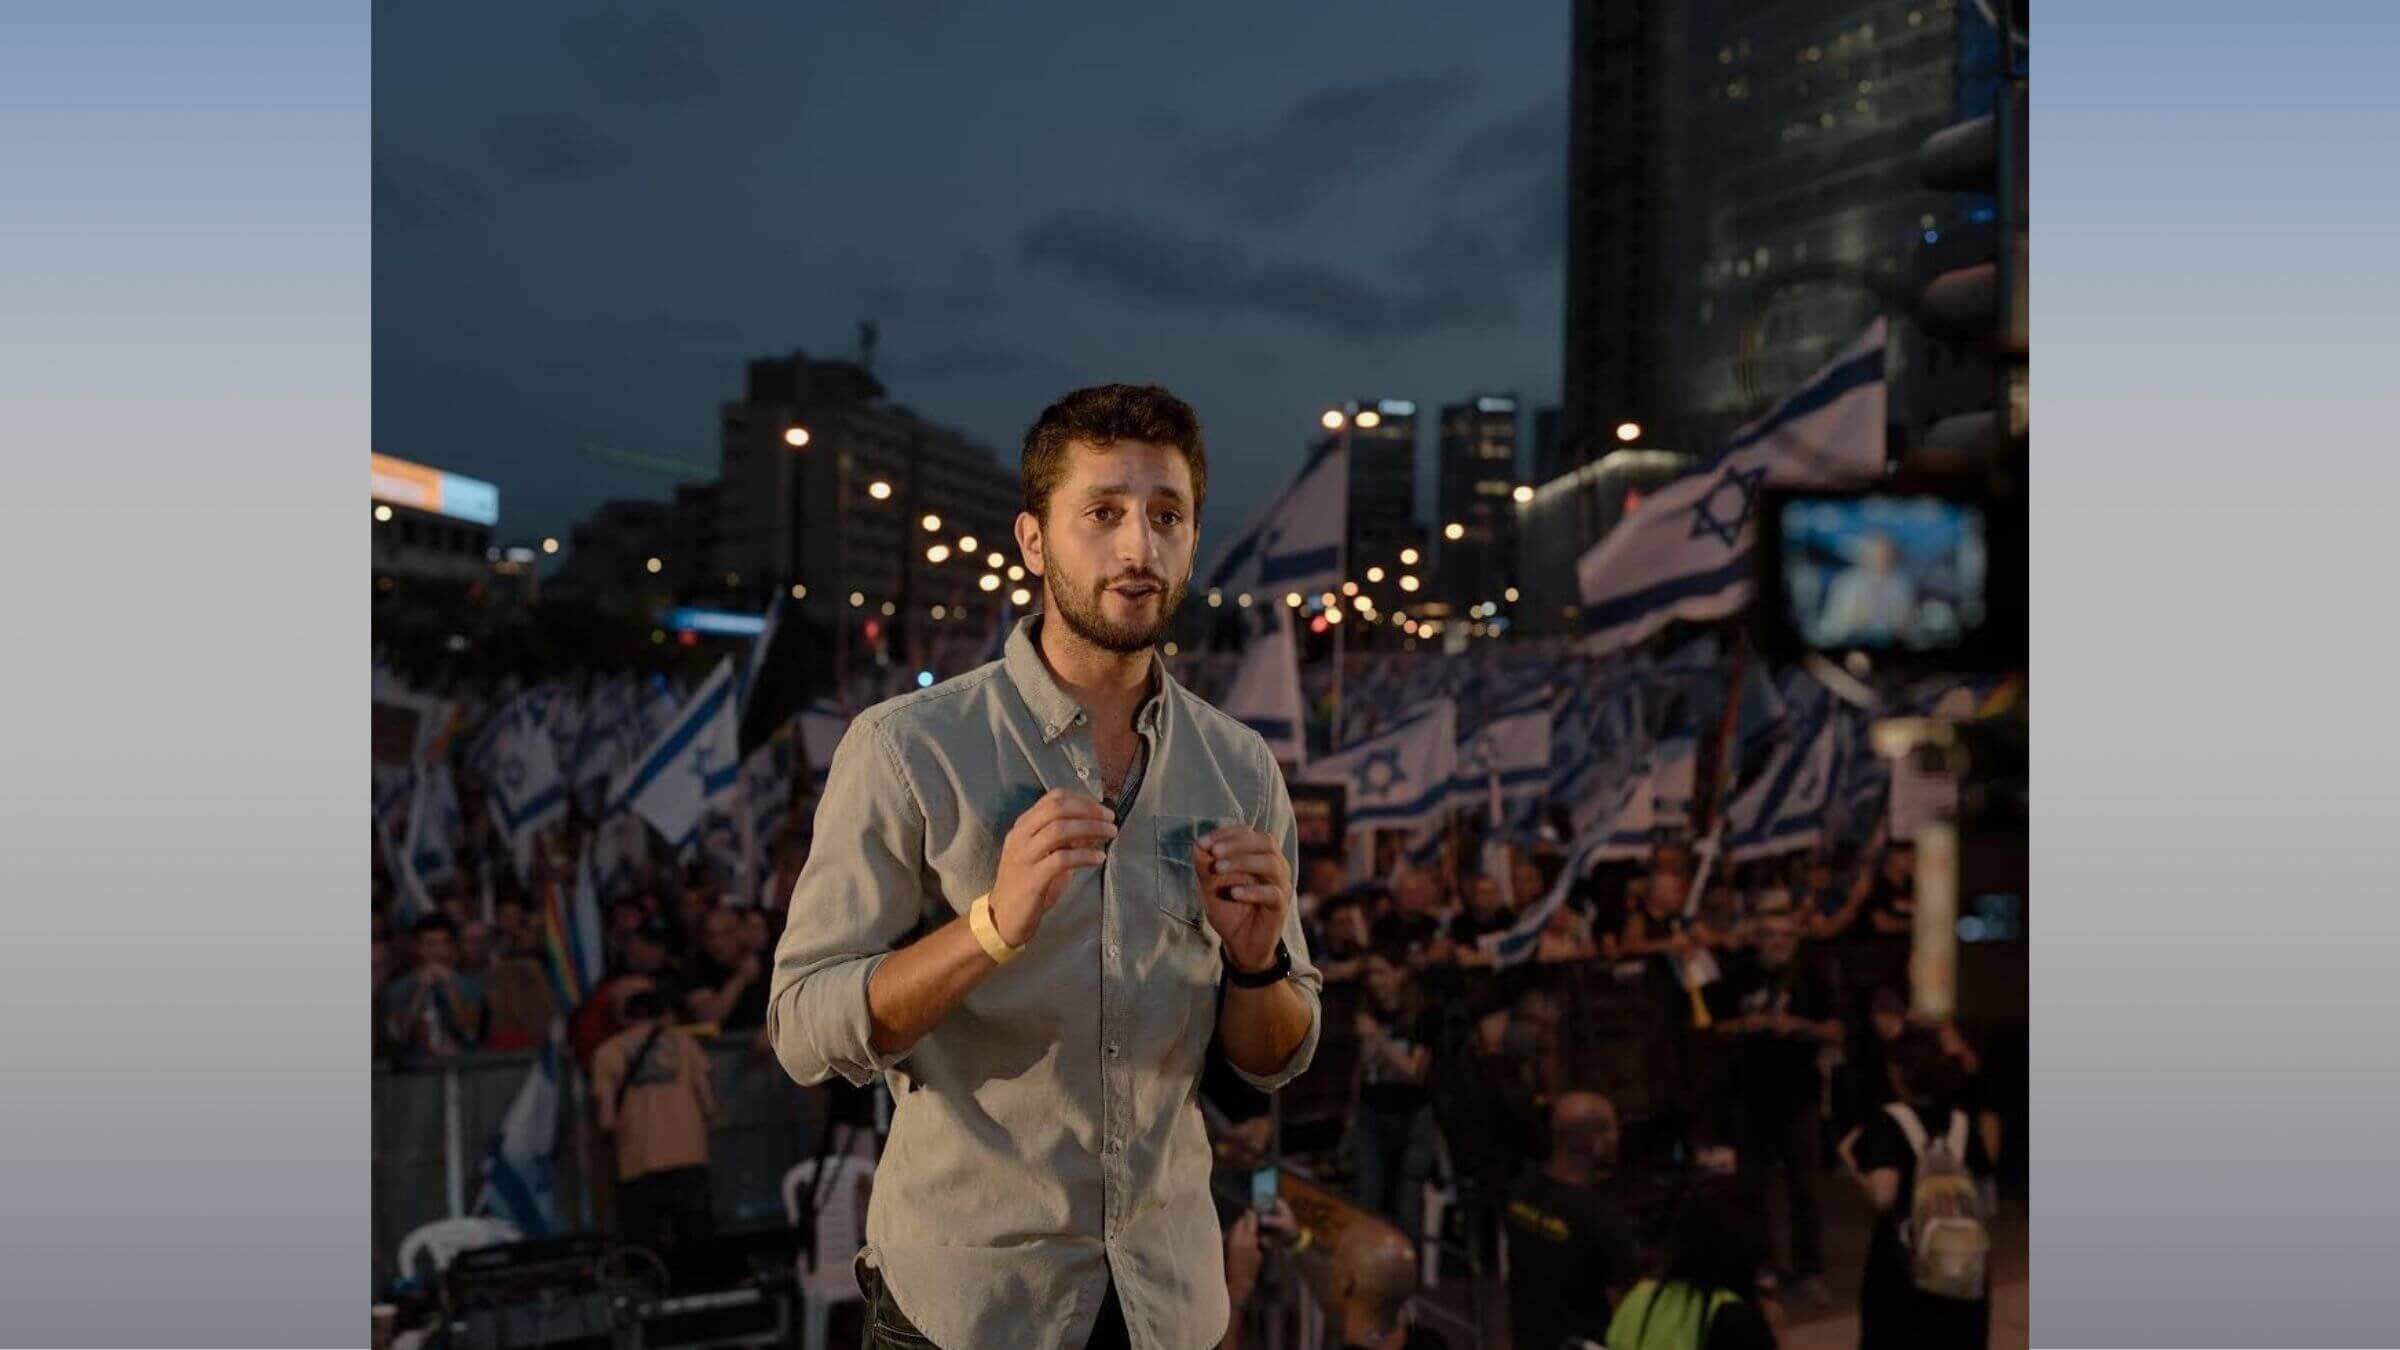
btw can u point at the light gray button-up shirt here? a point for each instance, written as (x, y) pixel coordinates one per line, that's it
(1046, 1133)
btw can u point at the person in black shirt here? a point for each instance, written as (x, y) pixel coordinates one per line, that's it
(1486, 911)
(1778, 1015)
(1893, 1314)
(726, 984)
(1391, 1134)
(1570, 1250)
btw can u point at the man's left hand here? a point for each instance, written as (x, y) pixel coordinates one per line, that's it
(1246, 889)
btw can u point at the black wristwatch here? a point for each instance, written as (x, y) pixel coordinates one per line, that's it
(1273, 974)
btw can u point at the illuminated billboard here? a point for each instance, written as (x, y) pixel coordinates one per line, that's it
(419, 488)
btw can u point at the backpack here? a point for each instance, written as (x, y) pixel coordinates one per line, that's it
(1949, 1246)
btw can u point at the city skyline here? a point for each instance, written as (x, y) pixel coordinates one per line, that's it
(589, 220)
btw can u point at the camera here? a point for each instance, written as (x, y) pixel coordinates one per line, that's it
(1905, 578)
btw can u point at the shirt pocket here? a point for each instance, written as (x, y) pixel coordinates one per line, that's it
(1174, 883)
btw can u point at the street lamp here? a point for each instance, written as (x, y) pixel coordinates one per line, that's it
(993, 560)
(1015, 573)
(1292, 599)
(1332, 420)
(988, 581)
(799, 592)
(966, 543)
(1408, 557)
(856, 600)
(1349, 588)
(1368, 419)
(1374, 574)
(1629, 432)
(382, 512)
(653, 566)
(549, 545)
(1020, 597)
(1523, 494)
(939, 553)
(879, 490)
(1454, 531)
(795, 437)
(1408, 583)
(1511, 594)
(931, 523)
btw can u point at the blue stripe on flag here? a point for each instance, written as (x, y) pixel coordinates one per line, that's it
(1634, 604)
(672, 751)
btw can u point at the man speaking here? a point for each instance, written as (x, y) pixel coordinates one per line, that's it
(1100, 867)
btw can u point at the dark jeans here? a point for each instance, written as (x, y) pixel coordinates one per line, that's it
(1391, 1156)
(885, 1328)
(665, 1211)
(1774, 1136)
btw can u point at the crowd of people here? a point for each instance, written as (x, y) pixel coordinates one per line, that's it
(1760, 1041)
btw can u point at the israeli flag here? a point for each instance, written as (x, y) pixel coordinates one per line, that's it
(1783, 809)
(1519, 940)
(1402, 777)
(428, 852)
(393, 784)
(692, 764)
(520, 1169)
(1507, 759)
(821, 728)
(1623, 824)
(1295, 542)
(1685, 554)
(527, 793)
(1674, 779)
(1265, 695)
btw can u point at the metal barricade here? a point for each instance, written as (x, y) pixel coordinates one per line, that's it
(434, 1124)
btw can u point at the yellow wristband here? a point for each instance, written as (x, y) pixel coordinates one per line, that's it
(979, 921)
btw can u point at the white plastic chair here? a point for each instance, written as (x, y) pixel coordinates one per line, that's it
(840, 1224)
(444, 1239)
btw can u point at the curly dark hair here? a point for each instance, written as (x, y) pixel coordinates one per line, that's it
(1103, 415)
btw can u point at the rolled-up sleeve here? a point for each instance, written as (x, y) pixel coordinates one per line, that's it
(858, 895)
(1276, 820)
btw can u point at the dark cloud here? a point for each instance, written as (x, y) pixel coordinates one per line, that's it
(971, 288)
(1153, 264)
(970, 360)
(1531, 141)
(544, 148)
(661, 59)
(1538, 218)
(1330, 138)
(412, 193)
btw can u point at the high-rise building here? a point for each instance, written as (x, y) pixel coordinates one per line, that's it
(1567, 512)
(1478, 485)
(1714, 148)
(1549, 457)
(1383, 484)
(892, 471)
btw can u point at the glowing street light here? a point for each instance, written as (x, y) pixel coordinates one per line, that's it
(1510, 594)
(1349, 588)
(1408, 583)
(993, 560)
(889, 609)
(879, 489)
(966, 543)
(1332, 420)
(795, 437)
(1454, 531)
(653, 566)
(382, 512)
(931, 522)
(1327, 599)
(1243, 599)
(1015, 573)
(1370, 419)
(1333, 616)
(1292, 598)
(857, 600)
(988, 581)
(1374, 574)
(1523, 494)
(1408, 557)
(1629, 432)
(799, 592)
(549, 545)
(1020, 597)
(939, 553)
(1215, 599)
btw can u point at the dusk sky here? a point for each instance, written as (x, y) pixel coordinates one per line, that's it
(588, 216)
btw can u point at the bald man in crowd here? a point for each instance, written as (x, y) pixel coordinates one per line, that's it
(1373, 1277)
(1570, 1250)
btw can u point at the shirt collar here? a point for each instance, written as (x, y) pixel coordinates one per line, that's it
(1054, 707)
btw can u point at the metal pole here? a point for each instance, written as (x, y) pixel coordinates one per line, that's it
(454, 1173)
(841, 579)
(1341, 568)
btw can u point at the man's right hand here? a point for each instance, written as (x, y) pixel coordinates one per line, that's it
(1061, 835)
